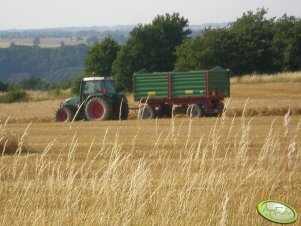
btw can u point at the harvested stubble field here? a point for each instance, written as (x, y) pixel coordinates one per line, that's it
(211, 171)
(180, 171)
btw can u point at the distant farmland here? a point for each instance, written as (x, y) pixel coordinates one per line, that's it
(45, 42)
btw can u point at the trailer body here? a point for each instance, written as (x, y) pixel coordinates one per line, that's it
(206, 89)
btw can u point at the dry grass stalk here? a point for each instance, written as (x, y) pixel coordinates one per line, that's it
(266, 78)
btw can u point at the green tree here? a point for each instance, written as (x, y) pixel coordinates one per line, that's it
(123, 68)
(294, 48)
(14, 94)
(282, 39)
(253, 33)
(101, 57)
(75, 84)
(151, 46)
(214, 47)
(245, 46)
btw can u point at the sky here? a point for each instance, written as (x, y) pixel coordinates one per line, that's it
(28, 14)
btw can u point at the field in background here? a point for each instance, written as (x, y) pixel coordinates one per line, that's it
(44, 42)
(265, 78)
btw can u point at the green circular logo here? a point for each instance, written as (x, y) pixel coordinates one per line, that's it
(277, 212)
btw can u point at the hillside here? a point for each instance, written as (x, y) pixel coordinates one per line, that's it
(51, 64)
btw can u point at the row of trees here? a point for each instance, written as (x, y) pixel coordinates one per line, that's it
(33, 83)
(252, 43)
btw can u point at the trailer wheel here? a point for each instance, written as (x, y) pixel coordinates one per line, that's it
(146, 112)
(195, 111)
(63, 114)
(98, 108)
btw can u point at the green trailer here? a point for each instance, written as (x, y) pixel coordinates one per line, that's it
(196, 93)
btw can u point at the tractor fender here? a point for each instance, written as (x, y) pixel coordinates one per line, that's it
(97, 95)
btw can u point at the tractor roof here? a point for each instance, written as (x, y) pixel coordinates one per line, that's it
(96, 78)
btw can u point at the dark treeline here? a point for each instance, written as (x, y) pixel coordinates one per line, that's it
(32, 83)
(251, 44)
(53, 64)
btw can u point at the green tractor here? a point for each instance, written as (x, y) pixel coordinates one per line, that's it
(97, 100)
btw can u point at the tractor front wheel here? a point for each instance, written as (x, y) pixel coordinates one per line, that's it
(98, 108)
(63, 114)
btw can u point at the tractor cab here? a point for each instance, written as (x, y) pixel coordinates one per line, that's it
(96, 85)
(98, 100)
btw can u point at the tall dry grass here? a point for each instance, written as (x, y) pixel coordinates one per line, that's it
(166, 172)
(284, 77)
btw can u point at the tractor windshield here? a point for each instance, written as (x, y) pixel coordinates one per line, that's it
(98, 86)
(90, 87)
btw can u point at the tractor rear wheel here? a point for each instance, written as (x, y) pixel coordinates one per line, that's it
(63, 114)
(147, 112)
(98, 108)
(195, 111)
